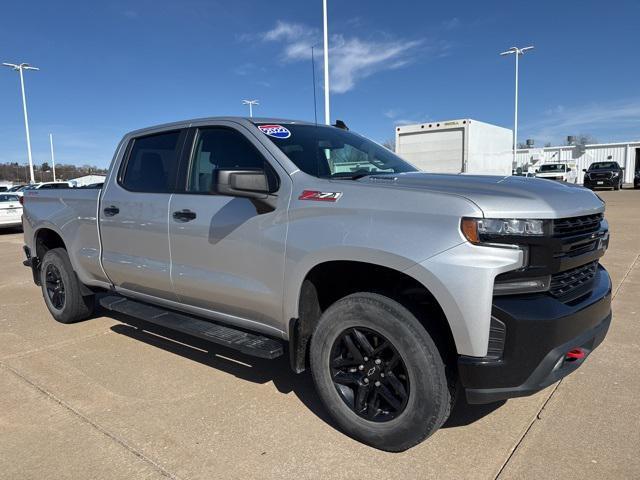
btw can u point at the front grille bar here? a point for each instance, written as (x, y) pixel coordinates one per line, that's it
(568, 281)
(565, 227)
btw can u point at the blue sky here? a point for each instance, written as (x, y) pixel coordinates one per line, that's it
(110, 67)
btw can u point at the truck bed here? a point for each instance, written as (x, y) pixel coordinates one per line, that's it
(73, 214)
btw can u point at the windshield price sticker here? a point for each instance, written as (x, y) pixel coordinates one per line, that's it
(275, 131)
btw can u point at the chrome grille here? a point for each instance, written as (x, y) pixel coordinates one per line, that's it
(568, 281)
(565, 227)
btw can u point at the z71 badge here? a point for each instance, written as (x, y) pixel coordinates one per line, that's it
(320, 196)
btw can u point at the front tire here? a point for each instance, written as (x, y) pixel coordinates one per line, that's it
(379, 373)
(61, 288)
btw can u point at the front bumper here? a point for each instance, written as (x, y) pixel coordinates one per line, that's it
(601, 182)
(540, 330)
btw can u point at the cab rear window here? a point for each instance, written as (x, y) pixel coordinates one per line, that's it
(152, 163)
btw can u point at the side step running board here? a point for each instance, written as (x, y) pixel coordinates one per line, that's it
(249, 343)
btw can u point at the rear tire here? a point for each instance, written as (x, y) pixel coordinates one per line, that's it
(61, 288)
(404, 401)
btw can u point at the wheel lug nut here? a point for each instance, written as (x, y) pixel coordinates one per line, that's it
(352, 370)
(378, 361)
(377, 384)
(366, 359)
(360, 367)
(366, 380)
(382, 374)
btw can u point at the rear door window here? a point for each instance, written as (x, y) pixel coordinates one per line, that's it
(152, 163)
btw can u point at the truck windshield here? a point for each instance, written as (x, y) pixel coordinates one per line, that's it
(554, 167)
(330, 152)
(604, 166)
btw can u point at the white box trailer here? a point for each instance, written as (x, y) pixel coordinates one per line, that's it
(457, 146)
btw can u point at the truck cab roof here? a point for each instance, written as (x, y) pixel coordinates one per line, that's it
(247, 121)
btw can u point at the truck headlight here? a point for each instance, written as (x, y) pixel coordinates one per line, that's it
(479, 230)
(506, 232)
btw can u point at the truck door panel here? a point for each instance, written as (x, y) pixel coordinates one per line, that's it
(229, 257)
(133, 216)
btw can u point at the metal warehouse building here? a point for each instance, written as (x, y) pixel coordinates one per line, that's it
(627, 154)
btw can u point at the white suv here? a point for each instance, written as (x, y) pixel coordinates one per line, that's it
(564, 172)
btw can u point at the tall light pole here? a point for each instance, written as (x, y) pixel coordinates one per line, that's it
(327, 114)
(20, 67)
(53, 158)
(517, 52)
(251, 103)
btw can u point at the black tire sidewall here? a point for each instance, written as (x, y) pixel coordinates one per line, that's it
(72, 310)
(429, 398)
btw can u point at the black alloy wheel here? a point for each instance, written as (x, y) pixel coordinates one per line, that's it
(61, 289)
(55, 287)
(369, 374)
(379, 373)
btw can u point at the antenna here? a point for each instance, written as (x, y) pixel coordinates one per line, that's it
(313, 72)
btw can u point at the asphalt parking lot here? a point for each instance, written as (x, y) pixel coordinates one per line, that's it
(108, 398)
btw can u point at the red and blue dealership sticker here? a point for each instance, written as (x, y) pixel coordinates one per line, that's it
(275, 131)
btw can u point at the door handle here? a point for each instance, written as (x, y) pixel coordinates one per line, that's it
(111, 211)
(184, 215)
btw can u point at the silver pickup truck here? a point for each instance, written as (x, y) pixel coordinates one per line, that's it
(398, 289)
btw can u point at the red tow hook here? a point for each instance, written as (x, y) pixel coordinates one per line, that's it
(575, 354)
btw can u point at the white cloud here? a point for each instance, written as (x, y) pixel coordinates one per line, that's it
(400, 117)
(352, 58)
(297, 39)
(286, 31)
(451, 24)
(410, 121)
(612, 121)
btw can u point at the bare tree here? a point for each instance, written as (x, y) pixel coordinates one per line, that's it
(580, 143)
(583, 139)
(13, 172)
(390, 143)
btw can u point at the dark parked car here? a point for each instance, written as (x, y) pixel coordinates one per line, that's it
(636, 180)
(603, 175)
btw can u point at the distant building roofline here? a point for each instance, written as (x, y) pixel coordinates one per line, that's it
(591, 145)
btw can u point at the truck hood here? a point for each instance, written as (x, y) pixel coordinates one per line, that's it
(503, 197)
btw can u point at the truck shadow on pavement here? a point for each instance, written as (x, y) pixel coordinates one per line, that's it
(256, 370)
(10, 230)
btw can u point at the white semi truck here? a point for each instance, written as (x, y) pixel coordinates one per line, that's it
(457, 146)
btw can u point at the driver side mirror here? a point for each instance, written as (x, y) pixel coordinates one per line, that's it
(568, 169)
(243, 183)
(584, 169)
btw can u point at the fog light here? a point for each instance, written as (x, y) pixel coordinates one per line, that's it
(529, 285)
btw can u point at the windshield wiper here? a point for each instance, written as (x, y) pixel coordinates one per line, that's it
(354, 176)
